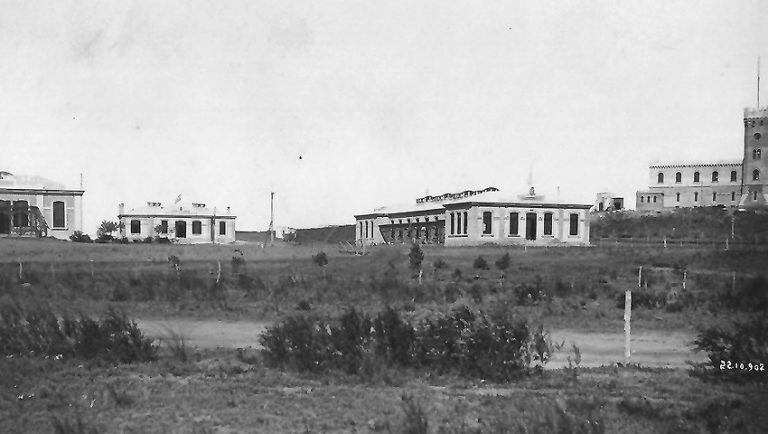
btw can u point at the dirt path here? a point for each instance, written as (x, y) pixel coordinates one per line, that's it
(654, 348)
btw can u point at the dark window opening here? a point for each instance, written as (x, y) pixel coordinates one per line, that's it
(513, 223)
(58, 214)
(135, 226)
(695, 176)
(756, 175)
(678, 197)
(654, 199)
(733, 196)
(642, 199)
(714, 197)
(733, 176)
(715, 176)
(574, 229)
(197, 227)
(660, 178)
(465, 223)
(163, 226)
(695, 196)
(222, 228)
(548, 223)
(678, 177)
(452, 223)
(600, 205)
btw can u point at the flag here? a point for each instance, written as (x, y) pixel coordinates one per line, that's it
(178, 199)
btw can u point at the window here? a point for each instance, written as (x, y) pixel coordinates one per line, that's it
(715, 176)
(135, 226)
(361, 229)
(58, 214)
(453, 231)
(733, 196)
(197, 227)
(366, 229)
(465, 222)
(678, 177)
(487, 220)
(756, 175)
(759, 153)
(547, 223)
(458, 223)
(222, 228)
(714, 197)
(574, 224)
(660, 178)
(678, 197)
(754, 195)
(20, 214)
(733, 176)
(642, 199)
(654, 199)
(695, 196)
(513, 223)
(163, 226)
(695, 176)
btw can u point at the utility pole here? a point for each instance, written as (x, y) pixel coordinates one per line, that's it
(271, 218)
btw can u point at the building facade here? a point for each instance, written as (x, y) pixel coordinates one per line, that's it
(479, 217)
(184, 224)
(736, 184)
(606, 201)
(35, 206)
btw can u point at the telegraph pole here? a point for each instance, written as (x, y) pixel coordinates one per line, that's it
(271, 218)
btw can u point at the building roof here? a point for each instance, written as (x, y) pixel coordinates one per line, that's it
(492, 197)
(182, 209)
(691, 163)
(28, 182)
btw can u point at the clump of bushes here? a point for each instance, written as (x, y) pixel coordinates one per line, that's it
(463, 341)
(738, 352)
(80, 237)
(480, 264)
(113, 338)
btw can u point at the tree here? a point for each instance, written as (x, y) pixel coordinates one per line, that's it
(321, 259)
(480, 263)
(415, 258)
(106, 229)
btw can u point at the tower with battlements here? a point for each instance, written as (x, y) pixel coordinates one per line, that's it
(754, 166)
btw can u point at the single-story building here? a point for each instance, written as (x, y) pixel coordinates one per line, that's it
(183, 223)
(476, 217)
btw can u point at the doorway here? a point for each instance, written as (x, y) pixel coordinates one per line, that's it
(181, 229)
(530, 226)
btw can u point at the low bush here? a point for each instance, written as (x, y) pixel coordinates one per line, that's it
(113, 338)
(480, 264)
(462, 341)
(80, 237)
(738, 352)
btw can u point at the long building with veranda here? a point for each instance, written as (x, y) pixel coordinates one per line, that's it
(477, 217)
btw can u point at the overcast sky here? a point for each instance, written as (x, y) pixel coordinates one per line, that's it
(340, 107)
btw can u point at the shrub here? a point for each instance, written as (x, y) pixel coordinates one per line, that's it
(80, 237)
(503, 262)
(113, 338)
(480, 264)
(321, 259)
(735, 351)
(462, 341)
(415, 421)
(415, 257)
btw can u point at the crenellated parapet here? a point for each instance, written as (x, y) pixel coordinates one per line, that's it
(755, 113)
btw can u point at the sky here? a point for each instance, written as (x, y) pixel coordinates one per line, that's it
(343, 106)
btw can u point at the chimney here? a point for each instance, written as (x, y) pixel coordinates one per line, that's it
(120, 209)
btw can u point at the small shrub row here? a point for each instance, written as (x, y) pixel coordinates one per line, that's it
(113, 338)
(463, 341)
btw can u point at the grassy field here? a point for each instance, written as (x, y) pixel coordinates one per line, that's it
(229, 390)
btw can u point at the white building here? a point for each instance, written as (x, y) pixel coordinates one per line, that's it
(476, 218)
(183, 223)
(36, 206)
